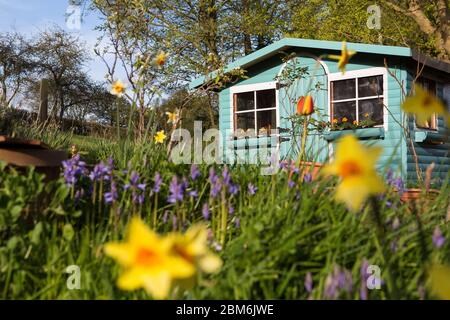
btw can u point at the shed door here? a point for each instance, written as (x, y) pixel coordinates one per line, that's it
(311, 79)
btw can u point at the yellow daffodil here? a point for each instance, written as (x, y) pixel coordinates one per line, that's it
(118, 88)
(355, 122)
(173, 117)
(440, 281)
(344, 119)
(335, 120)
(160, 136)
(344, 58)
(147, 261)
(192, 246)
(423, 104)
(366, 115)
(161, 58)
(355, 163)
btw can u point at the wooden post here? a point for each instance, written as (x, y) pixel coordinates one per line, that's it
(43, 106)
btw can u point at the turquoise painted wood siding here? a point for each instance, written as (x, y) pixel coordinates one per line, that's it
(391, 137)
(429, 146)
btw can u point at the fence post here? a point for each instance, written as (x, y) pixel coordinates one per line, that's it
(43, 106)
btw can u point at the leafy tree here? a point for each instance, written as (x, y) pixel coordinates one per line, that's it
(15, 66)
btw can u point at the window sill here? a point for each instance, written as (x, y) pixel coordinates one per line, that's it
(254, 142)
(366, 133)
(428, 137)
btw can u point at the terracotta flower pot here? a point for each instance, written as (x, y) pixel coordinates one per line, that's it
(416, 194)
(311, 168)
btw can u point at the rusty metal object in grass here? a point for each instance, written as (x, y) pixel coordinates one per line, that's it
(21, 154)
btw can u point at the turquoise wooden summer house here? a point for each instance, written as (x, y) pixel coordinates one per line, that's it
(373, 87)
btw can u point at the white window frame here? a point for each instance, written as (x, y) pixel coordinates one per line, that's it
(361, 73)
(254, 87)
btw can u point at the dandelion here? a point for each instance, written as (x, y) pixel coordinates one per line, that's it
(148, 261)
(344, 58)
(438, 238)
(160, 137)
(160, 59)
(424, 104)
(305, 106)
(118, 88)
(355, 163)
(440, 281)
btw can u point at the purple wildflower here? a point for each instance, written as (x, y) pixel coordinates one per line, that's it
(213, 178)
(438, 238)
(233, 189)
(98, 172)
(195, 173)
(176, 191)
(73, 169)
(111, 196)
(307, 178)
(308, 282)
(158, 182)
(136, 188)
(193, 194)
(230, 210)
(251, 189)
(216, 188)
(291, 184)
(205, 211)
(363, 293)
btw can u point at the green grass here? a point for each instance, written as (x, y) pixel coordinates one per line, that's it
(284, 232)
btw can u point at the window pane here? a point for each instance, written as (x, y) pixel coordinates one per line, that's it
(265, 99)
(245, 120)
(266, 120)
(370, 86)
(245, 101)
(371, 109)
(344, 89)
(344, 110)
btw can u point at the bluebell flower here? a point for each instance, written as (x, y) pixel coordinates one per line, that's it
(230, 209)
(158, 182)
(74, 169)
(112, 195)
(233, 189)
(309, 282)
(216, 188)
(176, 191)
(438, 238)
(193, 194)
(251, 189)
(205, 211)
(307, 178)
(136, 188)
(195, 173)
(291, 184)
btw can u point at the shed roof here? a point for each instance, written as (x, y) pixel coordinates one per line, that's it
(286, 43)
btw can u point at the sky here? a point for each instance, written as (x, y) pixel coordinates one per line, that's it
(31, 16)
